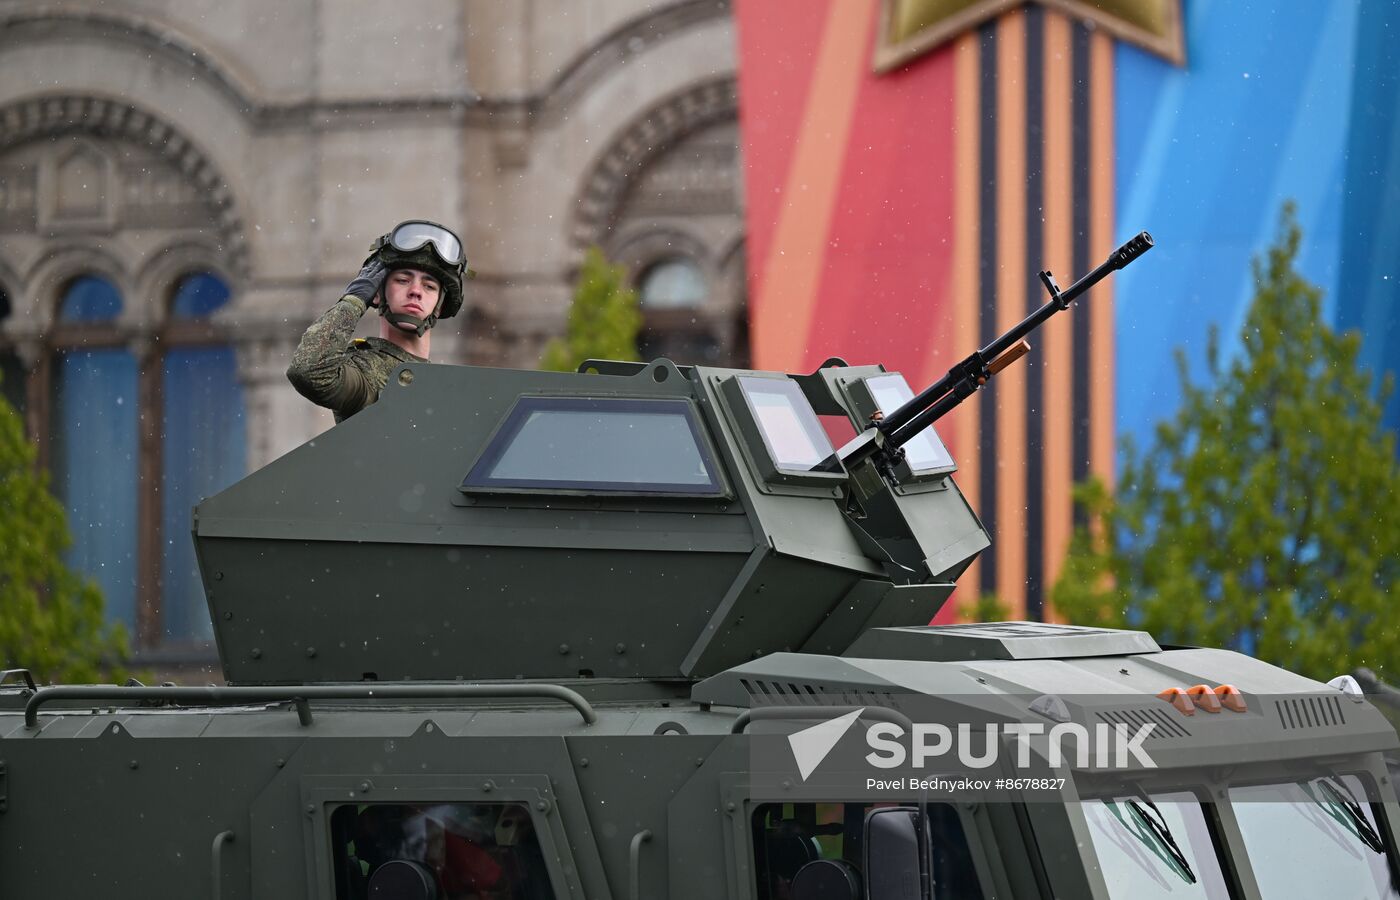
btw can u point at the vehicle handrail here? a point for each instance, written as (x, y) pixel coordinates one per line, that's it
(213, 695)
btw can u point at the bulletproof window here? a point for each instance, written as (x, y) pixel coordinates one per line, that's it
(1162, 845)
(925, 452)
(791, 431)
(437, 850)
(788, 836)
(598, 445)
(1320, 837)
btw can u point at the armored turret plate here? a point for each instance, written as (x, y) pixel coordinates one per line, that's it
(998, 640)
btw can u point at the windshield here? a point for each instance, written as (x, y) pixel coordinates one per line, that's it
(1305, 840)
(1160, 846)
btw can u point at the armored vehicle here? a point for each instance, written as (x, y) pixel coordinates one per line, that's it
(617, 634)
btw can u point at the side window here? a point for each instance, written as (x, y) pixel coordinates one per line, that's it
(437, 850)
(788, 836)
(598, 445)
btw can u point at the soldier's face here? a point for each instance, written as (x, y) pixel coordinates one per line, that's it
(412, 292)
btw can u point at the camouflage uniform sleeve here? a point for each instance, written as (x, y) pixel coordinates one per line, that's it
(323, 370)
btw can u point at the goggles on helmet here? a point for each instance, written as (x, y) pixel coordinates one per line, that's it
(416, 233)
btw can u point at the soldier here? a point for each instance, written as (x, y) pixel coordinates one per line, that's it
(414, 276)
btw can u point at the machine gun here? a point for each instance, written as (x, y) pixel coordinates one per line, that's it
(882, 443)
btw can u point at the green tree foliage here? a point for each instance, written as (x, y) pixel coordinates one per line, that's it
(603, 320)
(51, 619)
(1263, 516)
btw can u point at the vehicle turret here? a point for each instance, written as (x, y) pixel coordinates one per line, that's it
(634, 520)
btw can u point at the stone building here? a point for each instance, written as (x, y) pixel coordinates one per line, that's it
(186, 184)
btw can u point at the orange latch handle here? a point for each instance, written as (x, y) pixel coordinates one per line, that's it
(1180, 699)
(1231, 698)
(1204, 698)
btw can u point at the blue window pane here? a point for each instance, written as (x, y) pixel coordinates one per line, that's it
(94, 469)
(90, 299)
(203, 453)
(198, 296)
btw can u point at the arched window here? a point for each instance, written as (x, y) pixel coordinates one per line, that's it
(673, 215)
(93, 427)
(135, 441)
(672, 294)
(672, 284)
(126, 371)
(202, 444)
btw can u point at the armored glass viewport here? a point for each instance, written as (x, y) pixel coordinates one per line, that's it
(597, 445)
(791, 433)
(925, 452)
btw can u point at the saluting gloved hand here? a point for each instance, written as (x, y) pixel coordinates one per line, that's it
(367, 284)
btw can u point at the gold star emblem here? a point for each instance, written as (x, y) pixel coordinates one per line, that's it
(910, 28)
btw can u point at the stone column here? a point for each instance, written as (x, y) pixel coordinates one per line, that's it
(30, 351)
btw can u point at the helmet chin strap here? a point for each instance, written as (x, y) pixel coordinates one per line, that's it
(398, 320)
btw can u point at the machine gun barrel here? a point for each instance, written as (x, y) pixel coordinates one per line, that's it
(935, 401)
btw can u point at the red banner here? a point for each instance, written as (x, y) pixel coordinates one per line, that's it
(850, 182)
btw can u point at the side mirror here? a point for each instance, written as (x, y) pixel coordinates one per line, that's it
(892, 855)
(826, 879)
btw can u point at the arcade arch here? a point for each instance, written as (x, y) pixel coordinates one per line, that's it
(665, 199)
(123, 253)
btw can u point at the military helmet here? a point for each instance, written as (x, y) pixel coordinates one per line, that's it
(428, 247)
